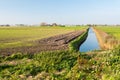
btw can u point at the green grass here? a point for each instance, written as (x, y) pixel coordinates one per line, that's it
(97, 66)
(74, 45)
(61, 65)
(112, 30)
(21, 36)
(13, 66)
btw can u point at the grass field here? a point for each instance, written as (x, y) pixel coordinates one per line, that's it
(112, 30)
(57, 65)
(20, 36)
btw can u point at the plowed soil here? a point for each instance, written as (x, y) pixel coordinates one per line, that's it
(59, 42)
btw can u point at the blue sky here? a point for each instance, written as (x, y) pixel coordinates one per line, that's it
(60, 11)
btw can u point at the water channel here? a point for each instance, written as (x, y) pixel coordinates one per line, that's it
(91, 43)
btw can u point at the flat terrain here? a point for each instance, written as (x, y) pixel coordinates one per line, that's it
(60, 65)
(37, 39)
(112, 30)
(20, 36)
(59, 42)
(108, 36)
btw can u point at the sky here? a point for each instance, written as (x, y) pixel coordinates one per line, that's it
(60, 11)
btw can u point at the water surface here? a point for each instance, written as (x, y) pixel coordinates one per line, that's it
(91, 43)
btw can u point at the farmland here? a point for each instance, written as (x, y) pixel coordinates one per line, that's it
(56, 65)
(20, 36)
(38, 39)
(59, 39)
(112, 30)
(47, 65)
(108, 36)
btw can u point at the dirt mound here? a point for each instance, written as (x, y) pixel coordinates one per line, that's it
(59, 42)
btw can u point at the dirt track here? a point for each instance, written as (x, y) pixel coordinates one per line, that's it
(59, 42)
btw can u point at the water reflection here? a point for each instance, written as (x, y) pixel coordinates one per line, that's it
(91, 43)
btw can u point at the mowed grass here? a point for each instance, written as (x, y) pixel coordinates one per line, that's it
(21, 36)
(112, 30)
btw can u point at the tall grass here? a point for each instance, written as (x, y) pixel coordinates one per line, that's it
(113, 38)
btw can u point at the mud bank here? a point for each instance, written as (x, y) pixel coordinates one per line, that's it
(59, 42)
(106, 41)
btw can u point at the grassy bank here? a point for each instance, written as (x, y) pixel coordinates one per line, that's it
(61, 65)
(108, 36)
(112, 30)
(42, 65)
(74, 45)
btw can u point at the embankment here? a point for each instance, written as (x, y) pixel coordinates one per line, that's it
(106, 41)
(75, 44)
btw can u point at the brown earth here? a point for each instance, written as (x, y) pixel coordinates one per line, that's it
(106, 41)
(59, 42)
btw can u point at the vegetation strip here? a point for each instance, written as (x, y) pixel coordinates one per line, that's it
(63, 65)
(75, 44)
(106, 40)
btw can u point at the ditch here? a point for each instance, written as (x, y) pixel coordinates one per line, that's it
(91, 43)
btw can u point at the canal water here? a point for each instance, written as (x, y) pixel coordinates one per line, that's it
(91, 43)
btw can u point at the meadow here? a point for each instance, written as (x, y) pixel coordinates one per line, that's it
(108, 36)
(58, 65)
(112, 30)
(23, 36)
